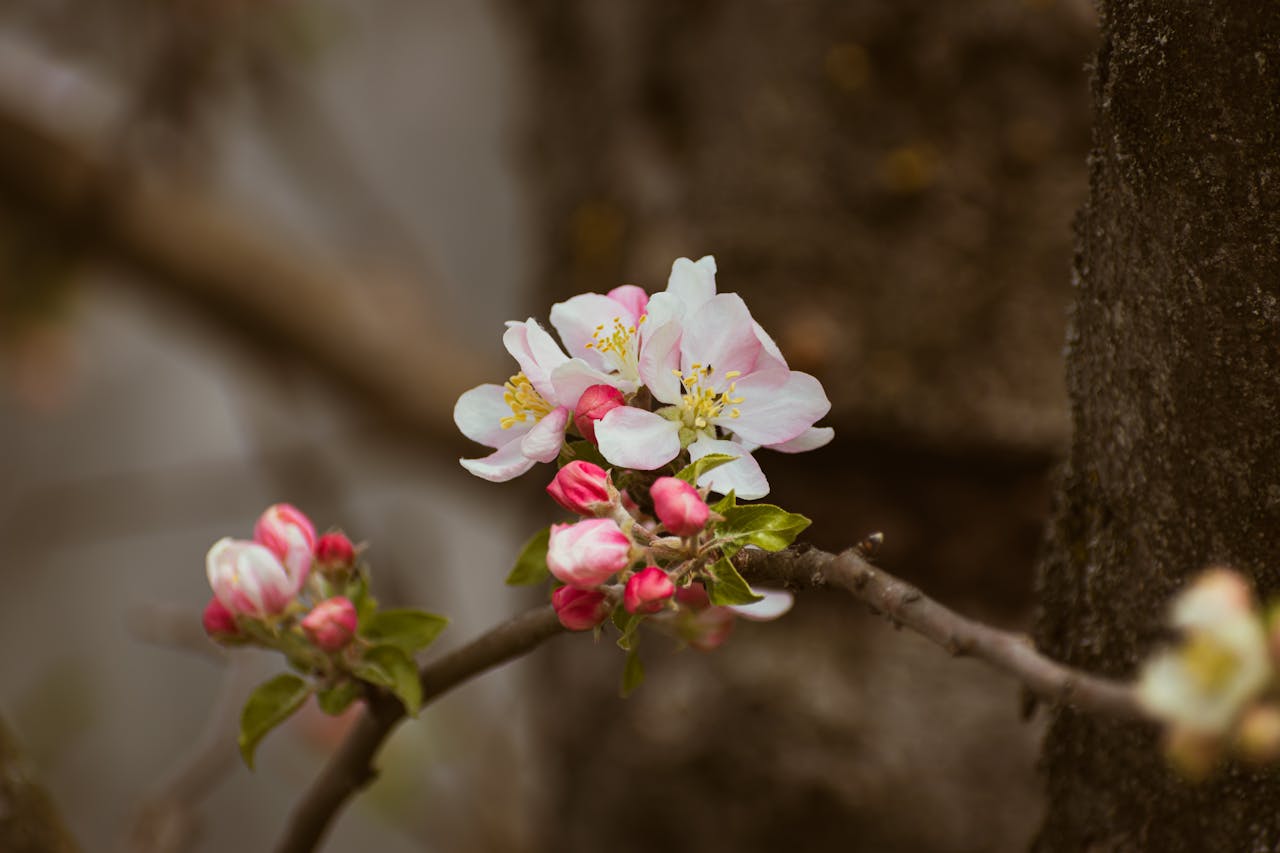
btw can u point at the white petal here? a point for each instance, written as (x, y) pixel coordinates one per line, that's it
(543, 442)
(577, 319)
(742, 476)
(479, 413)
(663, 308)
(505, 463)
(659, 357)
(722, 334)
(632, 297)
(634, 438)
(776, 602)
(771, 357)
(771, 413)
(810, 439)
(693, 283)
(536, 351)
(575, 376)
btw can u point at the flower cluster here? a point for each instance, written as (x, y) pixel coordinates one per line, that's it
(307, 596)
(647, 382)
(1217, 689)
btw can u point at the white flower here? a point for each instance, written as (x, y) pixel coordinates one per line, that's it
(1222, 663)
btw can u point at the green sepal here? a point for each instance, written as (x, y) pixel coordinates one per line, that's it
(763, 525)
(407, 630)
(581, 450)
(531, 565)
(628, 624)
(632, 673)
(727, 586)
(336, 699)
(390, 667)
(268, 706)
(694, 470)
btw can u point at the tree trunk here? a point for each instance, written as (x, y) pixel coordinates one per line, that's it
(1174, 376)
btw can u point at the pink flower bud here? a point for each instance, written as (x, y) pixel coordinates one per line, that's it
(678, 506)
(694, 597)
(219, 622)
(286, 532)
(586, 554)
(582, 488)
(331, 624)
(580, 609)
(647, 591)
(595, 402)
(248, 579)
(334, 553)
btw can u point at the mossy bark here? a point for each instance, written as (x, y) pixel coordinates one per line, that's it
(1174, 377)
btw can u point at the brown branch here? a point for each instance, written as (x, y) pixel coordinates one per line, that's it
(901, 603)
(351, 767)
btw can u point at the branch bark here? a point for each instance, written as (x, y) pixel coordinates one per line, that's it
(798, 567)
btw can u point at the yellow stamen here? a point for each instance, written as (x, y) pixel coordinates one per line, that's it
(524, 400)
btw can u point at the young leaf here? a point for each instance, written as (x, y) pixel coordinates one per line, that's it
(334, 700)
(694, 470)
(408, 630)
(729, 586)
(583, 450)
(629, 624)
(729, 501)
(531, 565)
(763, 525)
(268, 706)
(632, 673)
(392, 668)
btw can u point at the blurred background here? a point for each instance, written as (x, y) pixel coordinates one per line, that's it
(252, 250)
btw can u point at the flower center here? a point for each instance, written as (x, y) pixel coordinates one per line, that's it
(700, 403)
(524, 400)
(616, 343)
(1210, 663)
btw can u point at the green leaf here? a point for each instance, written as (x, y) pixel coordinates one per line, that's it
(632, 673)
(729, 501)
(334, 700)
(729, 586)
(583, 450)
(408, 630)
(357, 592)
(392, 668)
(694, 470)
(531, 565)
(628, 624)
(763, 525)
(268, 706)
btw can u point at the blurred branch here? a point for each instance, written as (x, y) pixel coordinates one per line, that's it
(798, 567)
(29, 820)
(370, 337)
(173, 626)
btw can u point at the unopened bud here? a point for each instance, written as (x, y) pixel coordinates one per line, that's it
(583, 488)
(647, 591)
(678, 506)
(335, 554)
(286, 532)
(586, 554)
(219, 622)
(248, 579)
(693, 597)
(580, 609)
(1258, 734)
(331, 624)
(595, 402)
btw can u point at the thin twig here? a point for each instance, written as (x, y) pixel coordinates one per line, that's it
(351, 767)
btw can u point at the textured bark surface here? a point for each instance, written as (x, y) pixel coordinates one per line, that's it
(1174, 376)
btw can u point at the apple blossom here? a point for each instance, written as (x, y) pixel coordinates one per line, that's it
(647, 591)
(678, 506)
(285, 531)
(595, 402)
(582, 488)
(606, 331)
(580, 609)
(331, 624)
(219, 622)
(586, 554)
(249, 579)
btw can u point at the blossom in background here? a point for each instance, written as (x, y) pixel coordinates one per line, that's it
(285, 531)
(248, 579)
(1223, 662)
(331, 624)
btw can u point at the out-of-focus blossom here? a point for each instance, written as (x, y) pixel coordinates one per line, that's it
(331, 624)
(249, 579)
(286, 531)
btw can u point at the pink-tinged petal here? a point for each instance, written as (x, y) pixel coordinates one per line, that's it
(573, 377)
(479, 413)
(771, 357)
(771, 413)
(693, 283)
(505, 463)
(660, 361)
(742, 476)
(634, 438)
(631, 297)
(543, 442)
(810, 439)
(578, 318)
(722, 334)
(536, 352)
(663, 308)
(775, 603)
